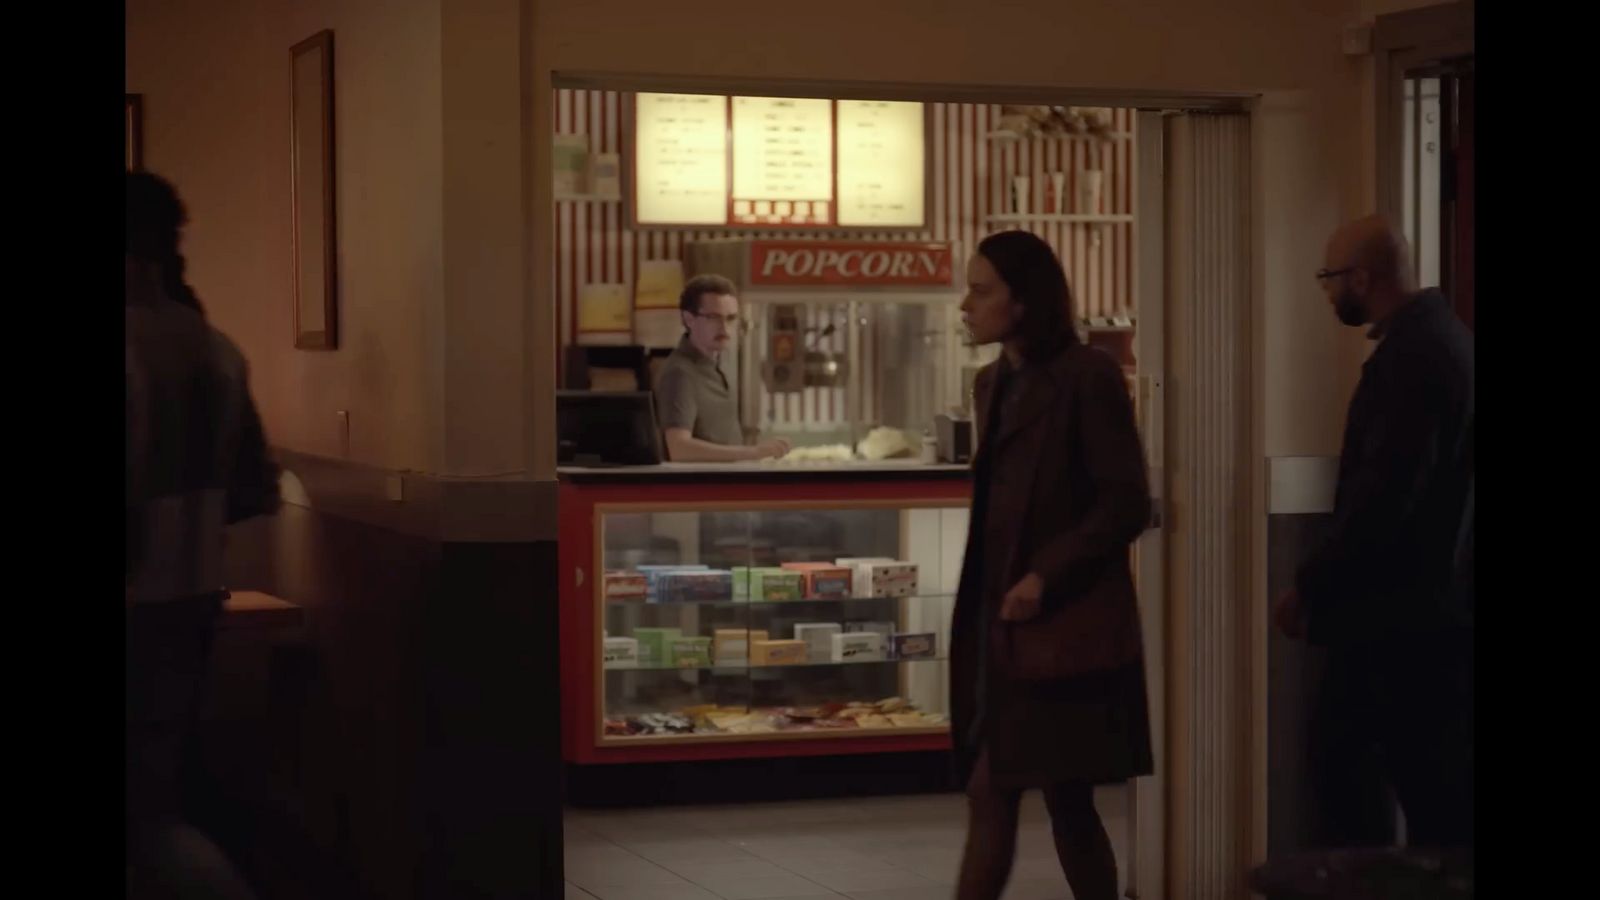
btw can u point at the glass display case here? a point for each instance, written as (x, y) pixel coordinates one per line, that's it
(774, 621)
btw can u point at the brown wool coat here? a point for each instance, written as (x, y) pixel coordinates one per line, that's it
(1061, 697)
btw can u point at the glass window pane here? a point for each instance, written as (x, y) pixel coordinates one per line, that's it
(714, 625)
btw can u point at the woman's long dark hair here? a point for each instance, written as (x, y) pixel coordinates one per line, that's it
(1034, 276)
(155, 219)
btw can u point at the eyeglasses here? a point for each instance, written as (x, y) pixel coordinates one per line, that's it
(1325, 274)
(730, 320)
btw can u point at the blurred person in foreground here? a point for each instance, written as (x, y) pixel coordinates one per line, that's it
(1389, 592)
(1047, 663)
(196, 461)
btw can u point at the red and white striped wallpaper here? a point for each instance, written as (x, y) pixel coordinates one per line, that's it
(971, 179)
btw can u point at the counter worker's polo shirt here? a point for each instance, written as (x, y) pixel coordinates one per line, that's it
(692, 393)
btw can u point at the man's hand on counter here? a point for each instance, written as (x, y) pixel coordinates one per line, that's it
(684, 447)
(771, 448)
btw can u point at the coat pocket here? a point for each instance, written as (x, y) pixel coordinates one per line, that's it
(1095, 632)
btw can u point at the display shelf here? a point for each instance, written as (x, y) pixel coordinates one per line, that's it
(712, 737)
(744, 669)
(615, 603)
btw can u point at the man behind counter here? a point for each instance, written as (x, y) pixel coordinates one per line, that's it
(699, 420)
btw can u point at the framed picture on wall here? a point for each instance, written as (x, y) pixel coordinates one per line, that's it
(316, 318)
(133, 131)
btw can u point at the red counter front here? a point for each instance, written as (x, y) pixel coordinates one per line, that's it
(722, 707)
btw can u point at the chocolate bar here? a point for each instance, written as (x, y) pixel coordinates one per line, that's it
(821, 581)
(916, 645)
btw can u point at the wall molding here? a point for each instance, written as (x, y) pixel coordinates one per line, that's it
(1300, 485)
(447, 509)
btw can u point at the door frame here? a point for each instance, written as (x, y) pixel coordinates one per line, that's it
(1458, 212)
(1147, 798)
(1402, 42)
(1155, 835)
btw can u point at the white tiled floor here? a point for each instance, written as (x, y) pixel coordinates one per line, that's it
(880, 848)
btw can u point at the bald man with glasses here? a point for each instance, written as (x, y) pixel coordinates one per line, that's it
(1389, 591)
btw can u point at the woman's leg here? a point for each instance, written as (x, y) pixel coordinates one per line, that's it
(1081, 842)
(991, 836)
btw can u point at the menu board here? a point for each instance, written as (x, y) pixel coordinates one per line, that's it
(882, 148)
(681, 159)
(778, 162)
(782, 160)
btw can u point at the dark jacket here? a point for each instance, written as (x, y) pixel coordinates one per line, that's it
(1398, 558)
(196, 458)
(1061, 492)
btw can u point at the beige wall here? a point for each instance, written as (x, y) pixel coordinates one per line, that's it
(1309, 159)
(433, 152)
(484, 237)
(1370, 9)
(215, 78)
(1221, 44)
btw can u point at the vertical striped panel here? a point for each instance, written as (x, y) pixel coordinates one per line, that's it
(971, 180)
(566, 240)
(1210, 245)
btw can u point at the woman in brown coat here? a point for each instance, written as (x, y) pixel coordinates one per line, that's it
(1047, 682)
